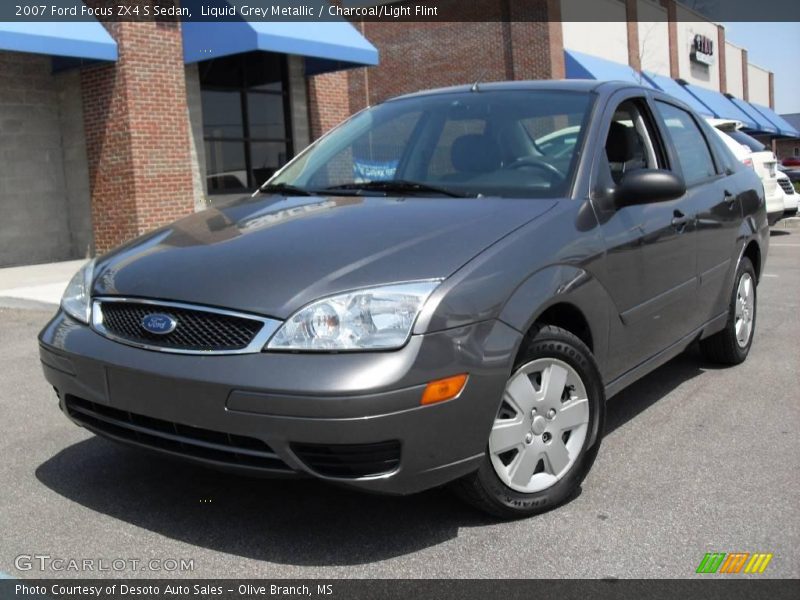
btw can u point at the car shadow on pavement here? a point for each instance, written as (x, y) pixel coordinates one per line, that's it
(285, 521)
(648, 390)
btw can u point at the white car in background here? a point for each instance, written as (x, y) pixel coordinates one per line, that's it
(790, 197)
(755, 154)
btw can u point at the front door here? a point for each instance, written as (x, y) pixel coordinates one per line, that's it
(650, 266)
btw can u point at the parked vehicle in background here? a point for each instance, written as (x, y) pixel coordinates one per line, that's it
(461, 316)
(791, 161)
(790, 196)
(753, 153)
(792, 173)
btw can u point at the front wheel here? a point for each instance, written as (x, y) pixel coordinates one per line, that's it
(547, 431)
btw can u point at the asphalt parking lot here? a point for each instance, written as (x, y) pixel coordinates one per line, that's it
(696, 459)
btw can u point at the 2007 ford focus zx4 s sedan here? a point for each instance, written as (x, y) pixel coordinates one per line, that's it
(445, 289)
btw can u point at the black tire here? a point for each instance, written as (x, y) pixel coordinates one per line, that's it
(723, 347)
(484, 490)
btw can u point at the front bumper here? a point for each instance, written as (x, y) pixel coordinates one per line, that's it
(287, 413)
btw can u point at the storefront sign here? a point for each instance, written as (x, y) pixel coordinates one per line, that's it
(702, 50)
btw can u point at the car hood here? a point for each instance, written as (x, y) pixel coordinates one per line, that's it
(272, 255)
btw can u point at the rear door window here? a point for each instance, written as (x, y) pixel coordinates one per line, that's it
(690, 144)
(746, 140)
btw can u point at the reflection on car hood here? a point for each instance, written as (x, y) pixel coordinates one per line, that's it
(273, 255)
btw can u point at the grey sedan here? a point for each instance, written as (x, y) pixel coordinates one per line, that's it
(446, 289)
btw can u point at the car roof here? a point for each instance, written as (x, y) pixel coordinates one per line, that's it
(567, 85)
(603, 88)
(739, 150)
(725, 124)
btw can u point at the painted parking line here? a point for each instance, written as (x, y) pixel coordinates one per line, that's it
(771, 275)
(787, 245)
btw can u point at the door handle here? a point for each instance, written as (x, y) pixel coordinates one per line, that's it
(679, 221)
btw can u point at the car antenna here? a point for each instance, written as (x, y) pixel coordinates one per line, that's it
(475, 87)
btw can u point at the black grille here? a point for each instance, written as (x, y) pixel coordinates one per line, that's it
(786, 185)
(181, 439)
(348, 461)
(196, 329)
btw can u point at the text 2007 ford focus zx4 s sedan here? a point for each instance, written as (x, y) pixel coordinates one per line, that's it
(446, 288)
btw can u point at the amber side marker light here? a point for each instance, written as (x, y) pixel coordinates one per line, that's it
(444, 389)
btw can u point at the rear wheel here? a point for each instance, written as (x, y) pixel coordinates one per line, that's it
(547, 430)
(732, 345)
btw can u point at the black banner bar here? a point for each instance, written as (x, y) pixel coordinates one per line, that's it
(383, 11)
(712, 587)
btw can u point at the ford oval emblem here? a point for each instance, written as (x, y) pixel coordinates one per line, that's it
(159, 324)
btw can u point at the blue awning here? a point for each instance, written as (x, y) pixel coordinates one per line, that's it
(676, 90)
(784, 127)
(86, 40)
(763, 124)
(582, 66)
(721, 106)
(327, 46)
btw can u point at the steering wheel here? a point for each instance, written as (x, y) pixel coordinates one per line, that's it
(553, 174)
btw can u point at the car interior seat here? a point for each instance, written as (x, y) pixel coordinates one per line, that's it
(473, 154)
(624, 150)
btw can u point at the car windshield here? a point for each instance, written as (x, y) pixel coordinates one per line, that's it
(746, 140)
(519, 143)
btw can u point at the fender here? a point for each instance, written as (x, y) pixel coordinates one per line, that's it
(562, 284)
(749, 231)
(753, 228)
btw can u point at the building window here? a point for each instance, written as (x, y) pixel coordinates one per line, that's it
(246, 120)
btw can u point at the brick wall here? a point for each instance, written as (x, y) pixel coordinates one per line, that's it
(745, 78)
(417, 56)
(137, 134)
(772, 90)
(328, 101)
(632, 17)
(721, 52)
(672, 28)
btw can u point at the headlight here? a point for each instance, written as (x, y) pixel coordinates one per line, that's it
(76, 300)
(378, 318)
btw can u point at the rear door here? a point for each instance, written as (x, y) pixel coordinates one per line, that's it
(713, 196)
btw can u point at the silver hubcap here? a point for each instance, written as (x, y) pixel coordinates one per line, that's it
(744, 310)
(541, 425)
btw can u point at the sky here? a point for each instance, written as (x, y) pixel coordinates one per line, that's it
(775, 47)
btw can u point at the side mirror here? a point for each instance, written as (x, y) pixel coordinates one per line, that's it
(643, 186)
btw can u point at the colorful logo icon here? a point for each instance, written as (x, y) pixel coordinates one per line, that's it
(734, 562)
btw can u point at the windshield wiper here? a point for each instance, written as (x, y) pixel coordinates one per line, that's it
(285, 189)
(400, 186)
